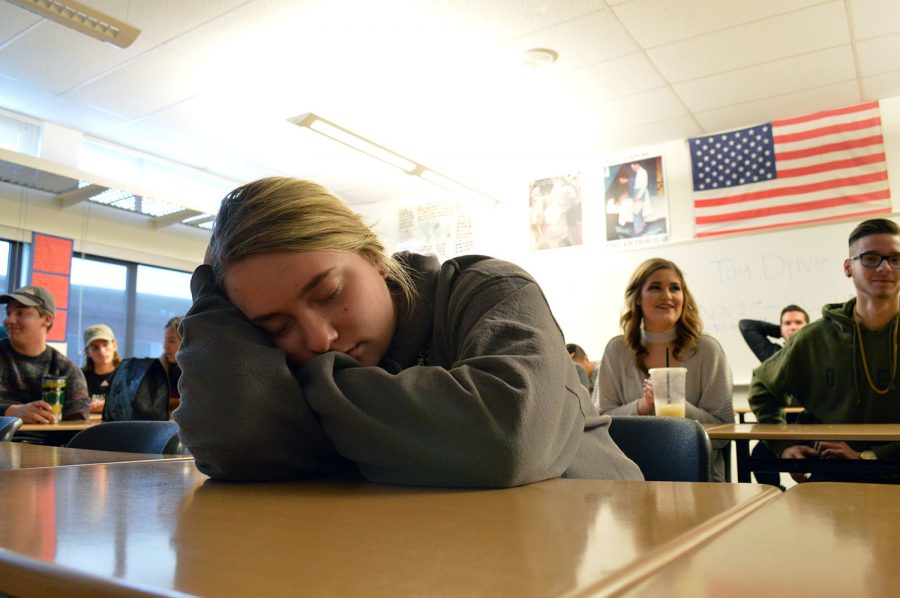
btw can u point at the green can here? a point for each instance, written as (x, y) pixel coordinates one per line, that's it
(54, 392)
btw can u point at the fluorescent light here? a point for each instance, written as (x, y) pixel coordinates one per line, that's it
(316, 123)
(360, 144)
(83, 19)
(448, 184)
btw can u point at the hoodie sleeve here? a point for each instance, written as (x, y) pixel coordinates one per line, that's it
(756, 333)
(505, 411)
(768, 395)
(242, 414)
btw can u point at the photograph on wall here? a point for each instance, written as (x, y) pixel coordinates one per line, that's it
(444, 229)
(555, 212)
(636, 207)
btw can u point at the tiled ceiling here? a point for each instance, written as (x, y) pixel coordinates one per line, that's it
(211, 84)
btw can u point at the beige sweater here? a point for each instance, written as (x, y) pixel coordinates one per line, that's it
(708, 390)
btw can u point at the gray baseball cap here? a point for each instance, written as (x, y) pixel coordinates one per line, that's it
(32, 296)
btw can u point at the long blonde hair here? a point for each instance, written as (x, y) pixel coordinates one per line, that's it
(688, 327)
(287, 214)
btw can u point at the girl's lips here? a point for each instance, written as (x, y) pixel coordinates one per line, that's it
(355, 352)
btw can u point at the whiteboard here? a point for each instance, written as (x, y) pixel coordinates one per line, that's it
(740, 276)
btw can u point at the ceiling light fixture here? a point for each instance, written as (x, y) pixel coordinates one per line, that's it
(83, 19)
(335, 132)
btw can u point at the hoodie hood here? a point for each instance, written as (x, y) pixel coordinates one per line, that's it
(841, 315)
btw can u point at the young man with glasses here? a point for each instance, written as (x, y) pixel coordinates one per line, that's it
(843, 368)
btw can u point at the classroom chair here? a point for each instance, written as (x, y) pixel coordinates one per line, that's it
(130, 437)
(667, 449)
(8, 427)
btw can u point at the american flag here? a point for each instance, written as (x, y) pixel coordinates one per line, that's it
(824, 166)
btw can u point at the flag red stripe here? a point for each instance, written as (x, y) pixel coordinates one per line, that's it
(834, 165)
(794, 190)
(748, 229)
(829, 130)
(832, 147)
(825, 114)
(795, 207)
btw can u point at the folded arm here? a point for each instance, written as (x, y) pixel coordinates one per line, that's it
(242, 414)
(501, 408)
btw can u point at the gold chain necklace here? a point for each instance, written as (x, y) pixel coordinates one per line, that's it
(862, 352)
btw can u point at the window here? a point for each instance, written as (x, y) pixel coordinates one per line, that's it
(97, 295)
(161, 295)
(134, 300)
(4, 266)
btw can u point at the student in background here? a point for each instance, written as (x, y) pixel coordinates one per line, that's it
(146, 388)
(25, 358)
(843, 367)
(310, 351)
(661, 318)
(101, 358)
(759, 334)
(587, 369)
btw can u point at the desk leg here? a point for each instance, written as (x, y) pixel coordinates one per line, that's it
(743, 460)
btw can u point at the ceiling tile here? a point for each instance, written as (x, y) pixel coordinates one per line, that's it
(154, 80)
(883, 86)
(878, 55)
(803, 31)
(767, 80)
(63, 111)
(871, 18)
(639, 109)
(616, 78)
(13, 21)
(657, 22)
(784, 106)
(162, 20)
(16, 95)
(58, 58)
(584, 41)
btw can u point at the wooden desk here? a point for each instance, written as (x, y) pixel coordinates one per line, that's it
(63, 426)
(742, 434)
(17, 455)
(161, 527)
(818, 539)
(741, 410)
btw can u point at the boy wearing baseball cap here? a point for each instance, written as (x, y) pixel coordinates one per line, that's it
(25, 357)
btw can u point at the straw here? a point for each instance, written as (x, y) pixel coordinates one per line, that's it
(668, 388)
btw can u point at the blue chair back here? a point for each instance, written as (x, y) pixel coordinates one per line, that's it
(153, 437)
(668, 449)
(8, 427)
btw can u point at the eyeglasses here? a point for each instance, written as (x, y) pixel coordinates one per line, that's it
(873, 260)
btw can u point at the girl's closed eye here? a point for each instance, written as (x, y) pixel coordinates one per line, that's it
(333, 296)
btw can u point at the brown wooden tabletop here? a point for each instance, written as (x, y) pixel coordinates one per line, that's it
(131, 529)
(874, 432)
(18, 455)
(818, 539)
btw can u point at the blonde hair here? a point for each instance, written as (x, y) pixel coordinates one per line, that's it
(688, 327)
(287, 214)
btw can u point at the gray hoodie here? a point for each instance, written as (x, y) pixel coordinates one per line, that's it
(476, 390)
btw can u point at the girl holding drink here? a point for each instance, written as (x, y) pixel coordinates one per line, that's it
(662, 328)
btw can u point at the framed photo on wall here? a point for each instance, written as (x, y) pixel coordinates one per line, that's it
(635, 204)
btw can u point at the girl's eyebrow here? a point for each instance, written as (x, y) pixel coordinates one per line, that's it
(306, 290)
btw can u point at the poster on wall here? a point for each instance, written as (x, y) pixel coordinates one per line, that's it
(444, 229)
(555, 212)
(636, 206)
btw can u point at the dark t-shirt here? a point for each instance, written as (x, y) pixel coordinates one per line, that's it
(98, 384)
(20, 380)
